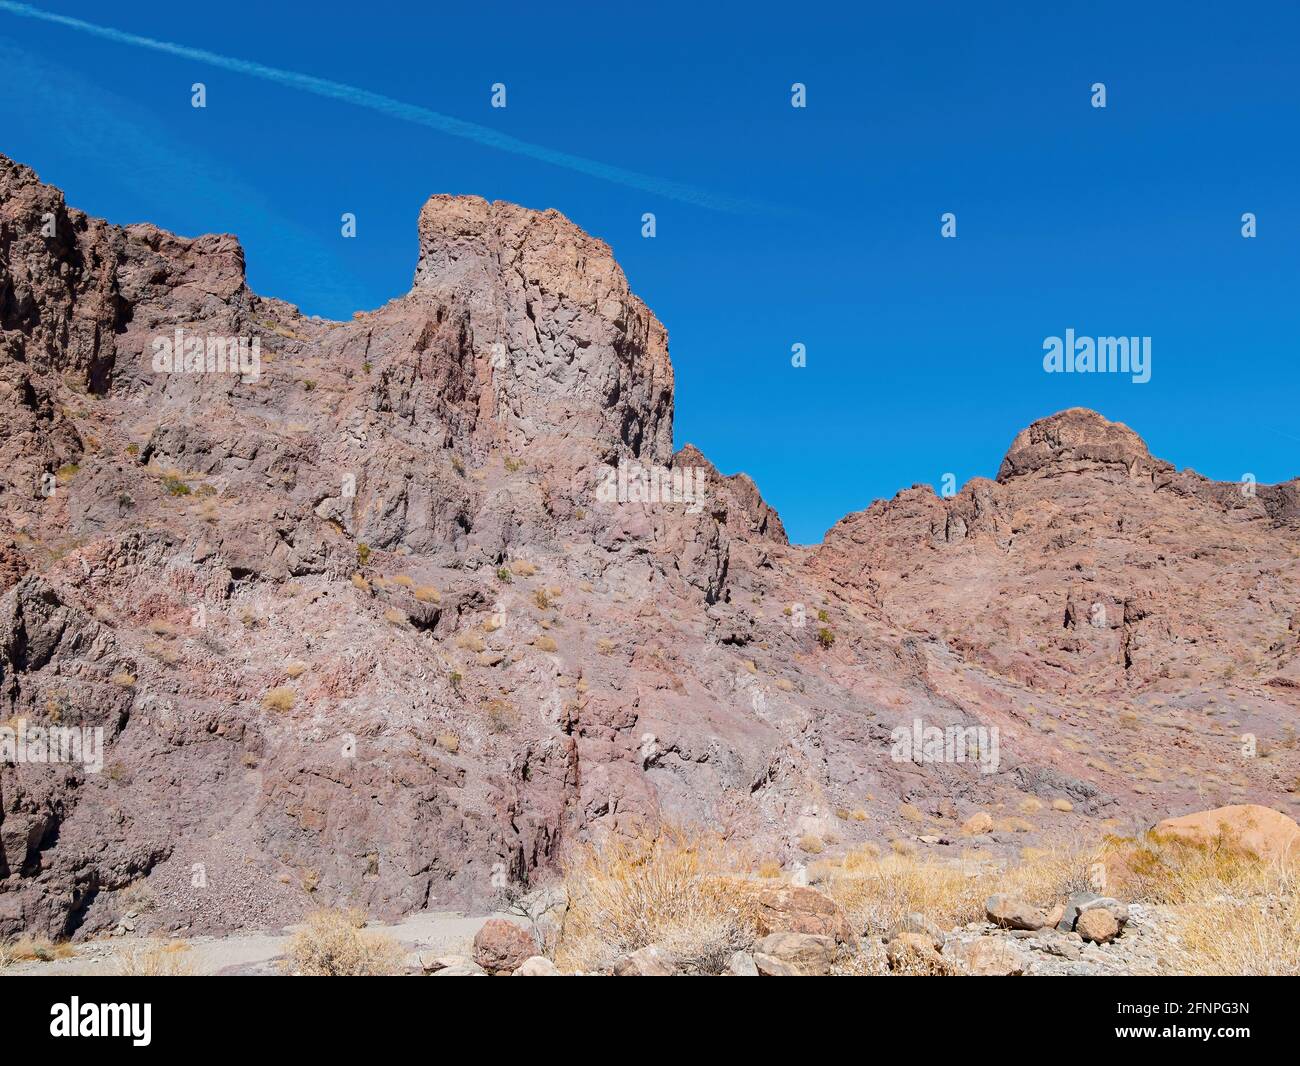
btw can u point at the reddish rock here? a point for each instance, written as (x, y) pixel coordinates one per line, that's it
(502, 947)
(799, 909)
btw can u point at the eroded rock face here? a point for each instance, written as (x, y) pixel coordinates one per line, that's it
(360, 628)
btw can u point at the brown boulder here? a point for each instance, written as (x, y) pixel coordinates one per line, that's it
(502, 947)
(1098, 925)
(649, 961)
(798, 909)
(1011, 913)
(771, 966)
(808, 953)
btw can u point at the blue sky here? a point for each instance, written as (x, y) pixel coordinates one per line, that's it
(924, 354)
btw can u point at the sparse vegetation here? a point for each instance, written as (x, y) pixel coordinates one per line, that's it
(825, 637)
(675, 889)
(156, 959)
(280, 699)
(333, 943)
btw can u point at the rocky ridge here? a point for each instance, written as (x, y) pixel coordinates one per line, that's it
(359, 627)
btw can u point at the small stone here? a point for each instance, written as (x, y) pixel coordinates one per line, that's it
(461, 969)
(987, 957)
(537, 966)
(808, 953)
(649, 961)
(918, 923)
(769, 966)
(914, 952)
(742, 965)
(1098, 925)
(1011, 913)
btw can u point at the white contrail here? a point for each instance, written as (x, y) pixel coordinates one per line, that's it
(409, 112)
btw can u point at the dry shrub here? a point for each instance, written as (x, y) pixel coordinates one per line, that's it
(155, 959)
(1233, 913)
(678, 889)
(333, 943)
(33, 948)
(471, 641)
(1253, 935)
(279, 699)
(295, 669)
(879, 892)
(502, 716)
(1159, 868)
(812, 844)
(428, 594)
(523, 568)
(545, 643)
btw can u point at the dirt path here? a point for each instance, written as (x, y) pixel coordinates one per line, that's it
(440, 932)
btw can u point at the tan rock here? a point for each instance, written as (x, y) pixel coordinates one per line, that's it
(1012, 913)
(1098, 925)
(770, 966)
(649, 961)
(913, 953)
(537, 966)
(798, 909)
(987, 957)
(810, 954)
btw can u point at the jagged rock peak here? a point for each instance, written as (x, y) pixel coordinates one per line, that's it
(559, 307)
(1078, 439)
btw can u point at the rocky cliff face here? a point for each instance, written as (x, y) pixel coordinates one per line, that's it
(365, 617)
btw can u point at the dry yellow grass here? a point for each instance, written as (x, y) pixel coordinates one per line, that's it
(156, 959)
(332, 943)
(124, 679)
(428, 594)
(1232, 913)
(812, 844)
(544, 643)
(523, 568)
(280, 699)
(1253, 933)
(295, 669)
(33, 948)
(682, 891)
(878, 892)
(471, 641)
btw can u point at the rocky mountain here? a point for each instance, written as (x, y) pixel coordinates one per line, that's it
(390, 611)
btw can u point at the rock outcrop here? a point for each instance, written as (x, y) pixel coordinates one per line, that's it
(390, 612)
